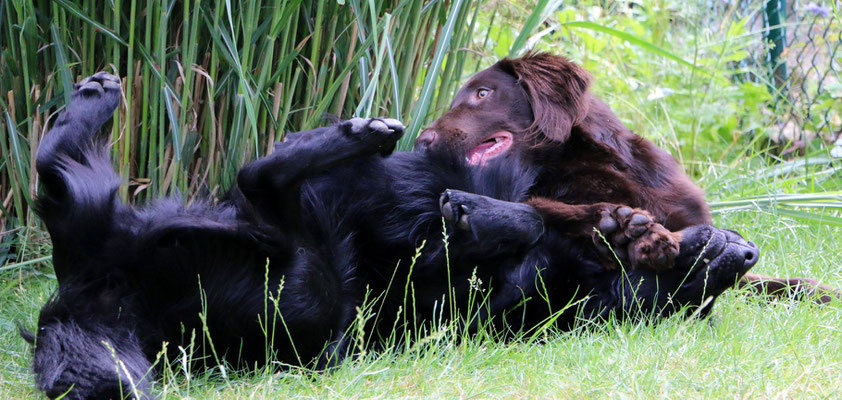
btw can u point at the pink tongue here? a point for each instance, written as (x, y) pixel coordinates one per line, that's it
(478, 153)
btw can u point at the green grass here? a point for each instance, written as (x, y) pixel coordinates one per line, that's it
(748, 348)
(279, 65)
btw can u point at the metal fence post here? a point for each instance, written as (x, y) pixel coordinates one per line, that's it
(776, 34)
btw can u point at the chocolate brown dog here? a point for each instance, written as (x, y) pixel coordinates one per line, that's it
(594, 172)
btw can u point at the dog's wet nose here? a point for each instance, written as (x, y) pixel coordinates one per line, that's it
(751, 254)
(426, 139)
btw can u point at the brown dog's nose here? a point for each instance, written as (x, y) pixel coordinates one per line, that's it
(426, 139)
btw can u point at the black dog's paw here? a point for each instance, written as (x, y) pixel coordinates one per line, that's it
(380, 133)
(637, 240)
(454, 210)
(490, 221)
(95, 98)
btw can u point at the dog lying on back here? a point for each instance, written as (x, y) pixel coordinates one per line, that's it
(277, 270)
(594, 171)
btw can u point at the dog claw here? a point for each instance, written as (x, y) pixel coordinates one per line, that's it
(463, 223)
(378, 134)
(637, 240)
(111, 85)
(105, 76)
(392, 123)
(90, 88)
(357, 124)
(457, 215)
(379, 126)
(447, 212)
(639, 219)
(637, 230)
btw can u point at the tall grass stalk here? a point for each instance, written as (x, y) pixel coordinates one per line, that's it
(211, 84)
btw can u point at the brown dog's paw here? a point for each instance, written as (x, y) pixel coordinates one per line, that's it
(655, 249)
(636, 239)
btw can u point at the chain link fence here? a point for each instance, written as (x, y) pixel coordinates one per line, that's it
(794, 49)
(800, 61)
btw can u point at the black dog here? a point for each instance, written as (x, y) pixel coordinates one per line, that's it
(277, 270)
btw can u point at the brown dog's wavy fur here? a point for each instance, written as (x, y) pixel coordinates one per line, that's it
(590, 162)
(589, 156)
(557, 92)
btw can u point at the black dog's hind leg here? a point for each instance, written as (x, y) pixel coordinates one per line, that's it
(85, 346)
(272, 188)
(489, 227)
(78, 197)
(270, 183)
(73, 135)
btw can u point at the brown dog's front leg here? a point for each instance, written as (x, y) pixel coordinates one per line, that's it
(632, 234)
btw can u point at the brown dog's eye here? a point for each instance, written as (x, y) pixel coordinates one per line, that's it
(482, 93)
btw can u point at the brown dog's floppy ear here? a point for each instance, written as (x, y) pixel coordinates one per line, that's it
(557, 91)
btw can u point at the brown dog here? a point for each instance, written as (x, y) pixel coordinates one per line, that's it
(594, 172)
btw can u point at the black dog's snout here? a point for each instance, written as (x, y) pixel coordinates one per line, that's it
(748, 250)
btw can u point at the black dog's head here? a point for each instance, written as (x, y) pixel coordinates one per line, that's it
(710, 261)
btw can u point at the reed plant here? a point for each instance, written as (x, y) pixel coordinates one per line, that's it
(211, 84)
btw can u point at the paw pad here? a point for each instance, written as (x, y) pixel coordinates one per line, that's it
(454, 213)
(635, 238)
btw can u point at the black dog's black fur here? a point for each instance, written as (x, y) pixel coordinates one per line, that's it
(316, 225)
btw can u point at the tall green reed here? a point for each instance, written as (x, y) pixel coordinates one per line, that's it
(211, 84)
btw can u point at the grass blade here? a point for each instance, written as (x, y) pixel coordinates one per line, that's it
(649, 46)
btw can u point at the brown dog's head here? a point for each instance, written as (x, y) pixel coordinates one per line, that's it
(515, 104)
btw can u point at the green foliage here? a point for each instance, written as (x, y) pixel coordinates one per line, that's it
(675, 86)
(211, 84)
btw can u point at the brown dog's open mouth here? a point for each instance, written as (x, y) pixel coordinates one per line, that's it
(492, 147)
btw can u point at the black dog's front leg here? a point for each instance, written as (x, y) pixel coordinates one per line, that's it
(270, 183)
(490, 227)
(501, 231)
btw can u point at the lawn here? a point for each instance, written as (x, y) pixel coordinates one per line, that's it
(748, 348)
(678, 73)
